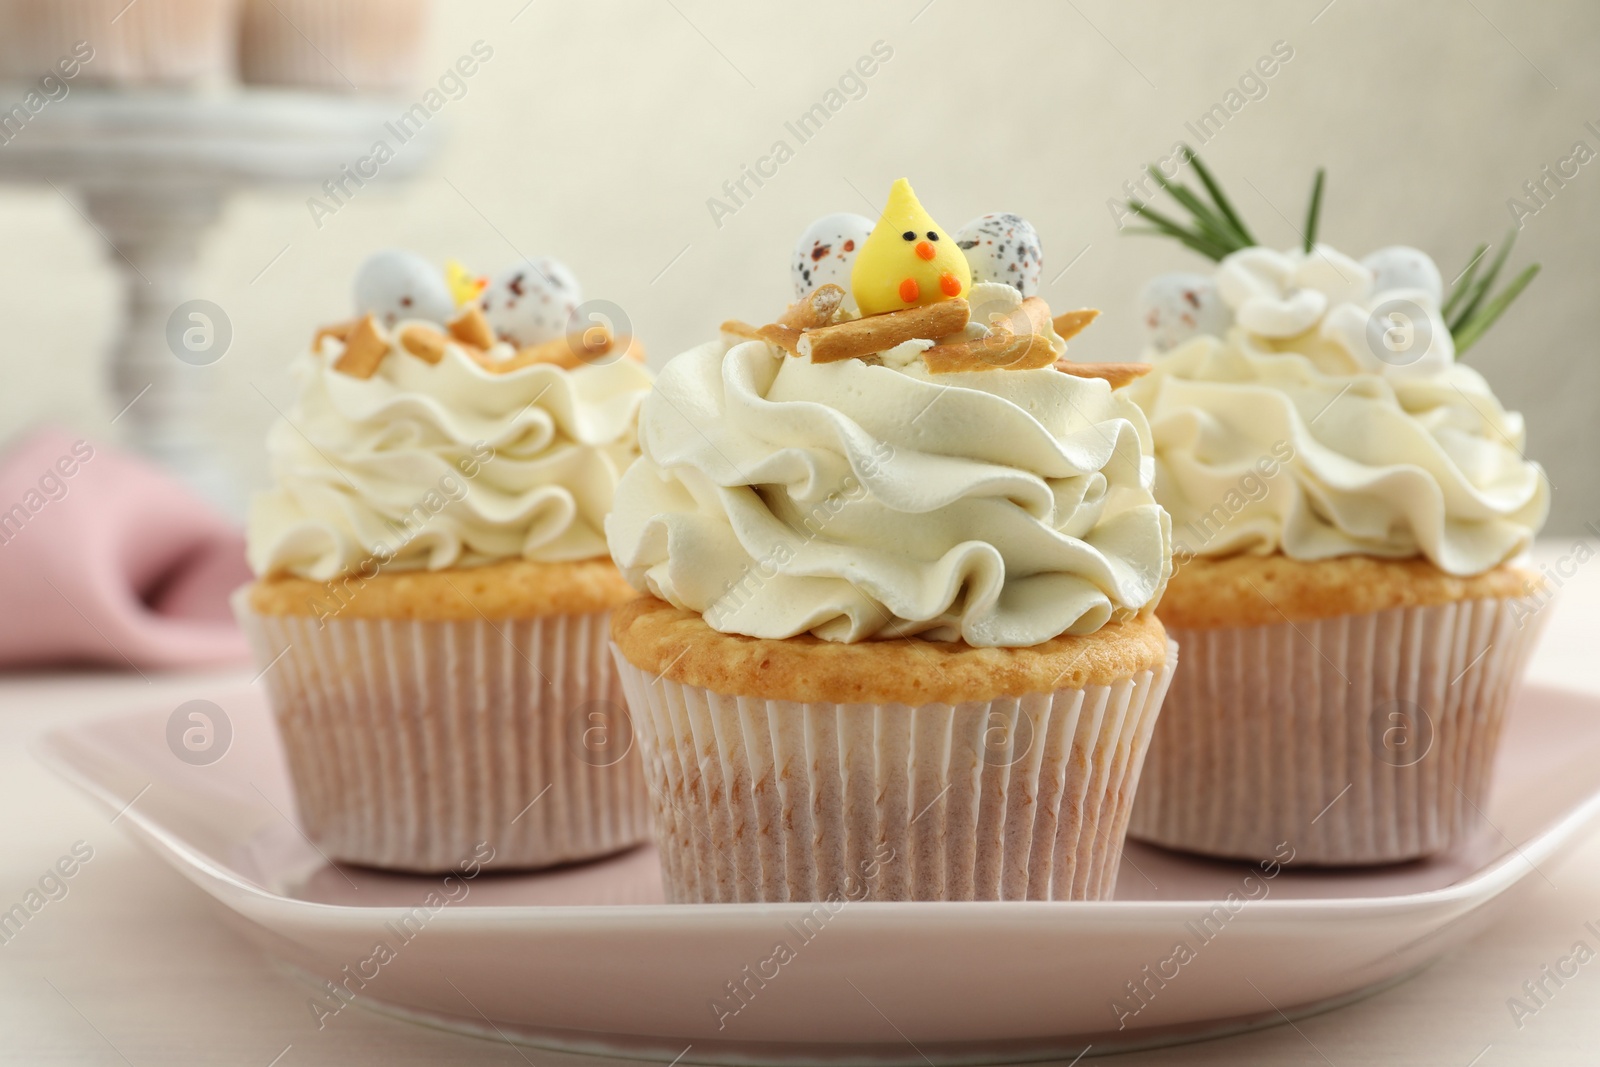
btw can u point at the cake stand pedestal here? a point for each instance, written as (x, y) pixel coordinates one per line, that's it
(151, 170)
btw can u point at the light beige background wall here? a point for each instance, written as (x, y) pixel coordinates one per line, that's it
(599, 130)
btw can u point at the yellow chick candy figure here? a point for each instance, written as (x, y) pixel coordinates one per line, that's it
(908, 259)
(464, 286)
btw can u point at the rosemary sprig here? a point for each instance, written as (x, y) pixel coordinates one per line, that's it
(1314, 212)
(1481, 289)
(1206, 217)
(1188, 240)
(1467, 333)
(1473, 303)
(1463, 283)
(1201, 240)
(1214, 229)
(1217, 195)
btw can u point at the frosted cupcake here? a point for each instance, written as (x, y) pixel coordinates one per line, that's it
(896, 639)
(433, 589)
(1349, 507)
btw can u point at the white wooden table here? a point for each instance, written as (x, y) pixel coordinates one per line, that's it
(133, 966)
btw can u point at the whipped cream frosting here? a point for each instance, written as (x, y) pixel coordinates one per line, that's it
(442, 465)
(1330, 419)
(869, 499)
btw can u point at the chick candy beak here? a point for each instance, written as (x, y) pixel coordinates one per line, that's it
(925, 250)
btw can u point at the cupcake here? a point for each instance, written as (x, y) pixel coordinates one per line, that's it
(898, 561)
(346, 45)
(1350, 508)
(432, 595)
(151, 42)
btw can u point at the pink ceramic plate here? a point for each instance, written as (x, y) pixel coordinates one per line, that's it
(588, 958)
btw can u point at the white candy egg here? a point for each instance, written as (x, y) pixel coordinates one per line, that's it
(1002, 247)
(394, 285)
(533, 302)
(1400, 267)
(1176, 307)
(826, 251)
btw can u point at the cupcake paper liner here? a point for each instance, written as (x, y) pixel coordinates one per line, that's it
(153, 42)
(1008, 799)
(410, 742)
(1361, 739)
(347, 45)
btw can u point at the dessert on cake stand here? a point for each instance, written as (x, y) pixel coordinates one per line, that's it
(149, 169)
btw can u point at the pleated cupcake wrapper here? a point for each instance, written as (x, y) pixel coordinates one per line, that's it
(411, 742)
(771, 800)
(151, 42)
(1361, 739)
(347, 45)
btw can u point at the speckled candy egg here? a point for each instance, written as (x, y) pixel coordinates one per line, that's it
(1176, 307)
(1399, 267)
(394, 285)
(1002, 247)
(532, 302)
(826, 252)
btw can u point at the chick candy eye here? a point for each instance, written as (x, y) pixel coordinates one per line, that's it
(932, 236)
(910, 235)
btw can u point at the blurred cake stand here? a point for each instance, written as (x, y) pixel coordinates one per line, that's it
(151, 169)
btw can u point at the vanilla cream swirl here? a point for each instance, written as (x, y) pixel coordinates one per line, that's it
(857, 500)
(1285, 445)
(442, 465)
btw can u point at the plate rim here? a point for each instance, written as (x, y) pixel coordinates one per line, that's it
(52, 749)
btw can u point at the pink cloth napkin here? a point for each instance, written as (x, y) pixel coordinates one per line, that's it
(106, 559)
